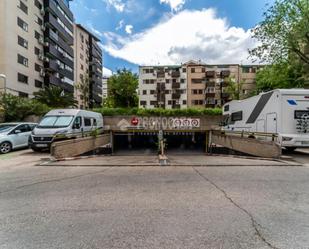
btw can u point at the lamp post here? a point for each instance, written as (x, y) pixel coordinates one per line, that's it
(4, 78)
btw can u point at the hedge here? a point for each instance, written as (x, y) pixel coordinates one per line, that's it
(157, 111)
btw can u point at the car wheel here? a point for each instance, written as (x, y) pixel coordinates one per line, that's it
(5, 147)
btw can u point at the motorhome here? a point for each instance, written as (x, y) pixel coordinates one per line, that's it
(284, 112)
(64, 124)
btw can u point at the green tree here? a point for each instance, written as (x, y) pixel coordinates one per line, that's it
(281, 75)
(234, 88)
(83, 88)
(122, 89)
(284, 33)
(17, 108)
(56, 97)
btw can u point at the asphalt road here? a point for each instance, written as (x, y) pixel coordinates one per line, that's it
(151, 207)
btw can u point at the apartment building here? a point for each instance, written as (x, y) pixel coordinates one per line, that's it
(36, 42)
(202, 85)
(104, 87)
(163, 86)
(88, 63)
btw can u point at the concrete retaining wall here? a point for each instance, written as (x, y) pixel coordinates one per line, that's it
(251, 146)
(79, 146)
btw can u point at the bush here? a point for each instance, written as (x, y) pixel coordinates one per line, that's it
(17, 108)
(157, 111)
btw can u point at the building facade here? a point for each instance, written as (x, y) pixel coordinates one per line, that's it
(104, 87)
(36, 42)
(163, 87)
(88, 67)
(197, 84)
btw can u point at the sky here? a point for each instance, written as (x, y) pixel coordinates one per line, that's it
(168, 32)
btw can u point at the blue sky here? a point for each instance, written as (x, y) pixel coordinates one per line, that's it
(141, 32)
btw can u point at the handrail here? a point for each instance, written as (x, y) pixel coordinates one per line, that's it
(247, 133)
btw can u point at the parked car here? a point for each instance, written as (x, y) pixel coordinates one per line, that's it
(14, 136)
(64, 124)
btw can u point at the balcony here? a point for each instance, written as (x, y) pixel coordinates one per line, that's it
(51, 35)
(51, 21)
(51, 66)
(175, 85)
(225, 73)
(210, 95)
(175, 74)
(52, 7)
(176, 96)
(224, 84)
(210, 74)
(210, 84)
(53, 52)
(160, 74)
(53, 80)
(160, 87)
(63, 7)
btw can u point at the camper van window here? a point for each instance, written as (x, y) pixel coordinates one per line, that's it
(55, 122)
(78, 122)
(301, 114)
(87, 121)
(94, 122)
(237, 116)
(226, 108)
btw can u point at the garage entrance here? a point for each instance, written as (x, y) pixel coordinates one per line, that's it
(147, 142)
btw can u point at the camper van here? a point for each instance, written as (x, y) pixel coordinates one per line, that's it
(284, 112)
(64, 124)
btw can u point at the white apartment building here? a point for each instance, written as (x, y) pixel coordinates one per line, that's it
(163, 86)
(21, 55)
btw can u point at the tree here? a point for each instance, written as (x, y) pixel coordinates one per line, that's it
(281, 75)
(122, 89)
(55, 97)
(234, 89)
(83, 88)
(284, 33)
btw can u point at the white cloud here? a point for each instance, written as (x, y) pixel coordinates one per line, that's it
(175, 5)
(120, 25)
(117, 4)
(129, 29)
(184, 36)
(107, 72)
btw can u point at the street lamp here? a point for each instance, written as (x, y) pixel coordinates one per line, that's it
(4, 78)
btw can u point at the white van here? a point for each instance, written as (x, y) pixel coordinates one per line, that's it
(281, 111)
(64, 124)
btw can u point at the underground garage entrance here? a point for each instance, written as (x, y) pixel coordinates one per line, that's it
(147, 142)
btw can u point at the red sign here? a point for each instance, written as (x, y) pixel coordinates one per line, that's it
(134, 121)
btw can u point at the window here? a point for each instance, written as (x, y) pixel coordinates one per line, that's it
(38, 84)
(144, 92)
(22, 42)
(81, 66)
(77, 123)
(154, 103)
(184, 102)
(226, 108)
(143, 103)
(39, 20)
(22, 24)
(152, 92)
(38, 4)
(203, 69)
(37, 67)
(37, 35)
(192, 70)
(23, 95)
(87, 121)
(55, 121)
(182, 81)
(301, 114)
(22, 60)
(22, 78)
(184, 70)
(237, 116)
(246, 69)
(37, 51)
(23, 128)
(23, 7)
(167, 81)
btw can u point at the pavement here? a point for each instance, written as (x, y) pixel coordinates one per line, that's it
(151, 207)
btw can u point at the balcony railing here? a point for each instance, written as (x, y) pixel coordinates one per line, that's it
(210, 74)
(210, 95)
(175, 85)
(175, 74)
(225, 73)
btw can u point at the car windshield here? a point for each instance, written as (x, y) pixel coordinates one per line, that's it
(55, 121)
(6, 127)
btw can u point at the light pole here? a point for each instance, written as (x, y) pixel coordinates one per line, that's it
(4, 85)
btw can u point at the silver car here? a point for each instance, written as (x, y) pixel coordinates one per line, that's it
(14, 136)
